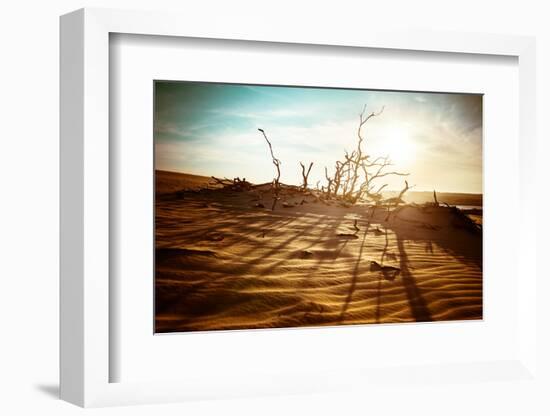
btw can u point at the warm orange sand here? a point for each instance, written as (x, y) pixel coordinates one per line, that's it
(222, 263)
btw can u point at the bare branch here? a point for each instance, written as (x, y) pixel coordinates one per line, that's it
(329, 181)
(394, 202)
(277, 163)
(436, 202)
(305, 174)
(380, 189)
(357, 159)
(392, 173)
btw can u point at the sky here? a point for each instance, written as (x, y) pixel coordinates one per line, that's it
(211, 129)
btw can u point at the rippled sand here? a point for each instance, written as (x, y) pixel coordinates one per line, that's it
(222, 263)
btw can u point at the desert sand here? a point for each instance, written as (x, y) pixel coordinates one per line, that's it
(224, 260)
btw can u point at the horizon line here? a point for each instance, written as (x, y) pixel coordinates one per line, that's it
(389, 190)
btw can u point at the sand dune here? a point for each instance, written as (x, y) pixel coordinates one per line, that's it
(222, 263)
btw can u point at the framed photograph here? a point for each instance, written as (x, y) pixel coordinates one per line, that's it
(314, 241)
(280, 213)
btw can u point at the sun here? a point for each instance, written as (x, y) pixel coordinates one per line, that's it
(399, 145)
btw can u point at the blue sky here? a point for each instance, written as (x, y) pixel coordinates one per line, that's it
(211, 129)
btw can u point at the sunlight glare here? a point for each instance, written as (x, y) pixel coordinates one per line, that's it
(399, 145)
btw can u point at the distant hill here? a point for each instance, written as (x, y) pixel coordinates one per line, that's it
(442, 197)
(167, 182)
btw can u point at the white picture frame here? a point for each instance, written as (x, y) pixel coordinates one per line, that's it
(85, 355)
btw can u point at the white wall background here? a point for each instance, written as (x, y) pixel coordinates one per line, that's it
(29, 188)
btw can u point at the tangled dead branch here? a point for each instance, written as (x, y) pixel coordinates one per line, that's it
(357, 176)
(236, 184)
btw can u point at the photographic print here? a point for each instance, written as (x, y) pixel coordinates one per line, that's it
(289, 206)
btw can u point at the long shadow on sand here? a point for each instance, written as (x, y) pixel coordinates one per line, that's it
(354, 276)
(417, 303)
(464, 247)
